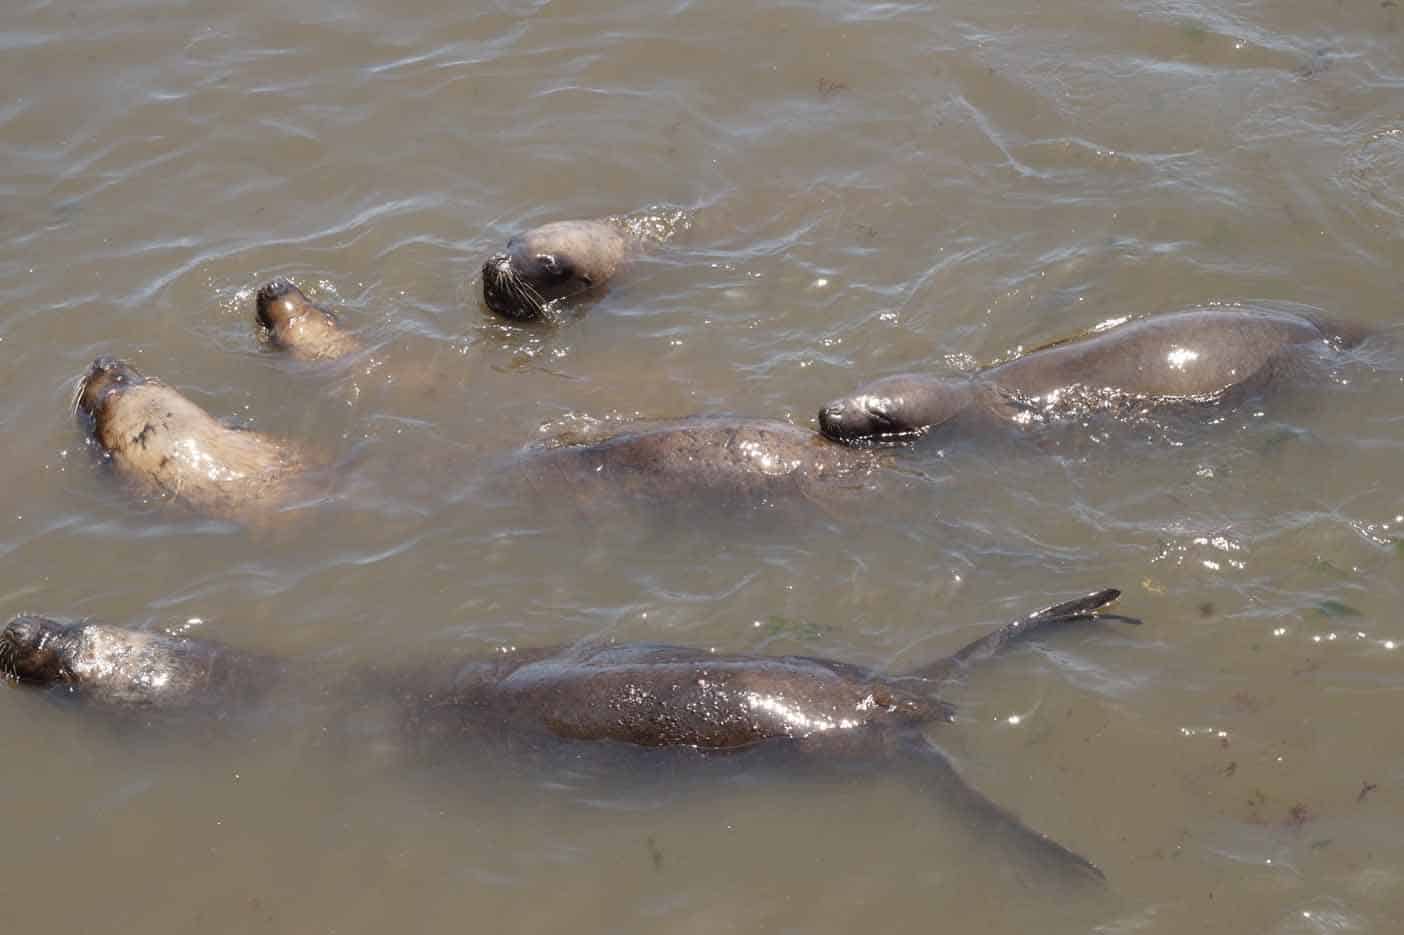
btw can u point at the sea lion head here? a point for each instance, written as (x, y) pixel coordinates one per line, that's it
(551, 262)
(279, 303)
(294, 323)
(281, 306)
(107, 379)
(894, 407)
(37, 650)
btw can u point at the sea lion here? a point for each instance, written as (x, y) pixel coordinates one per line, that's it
(636, 695)
(1210, 355)
(304, 329)
(553, 262)
(166, 447)
(729, 464)
(121, 667)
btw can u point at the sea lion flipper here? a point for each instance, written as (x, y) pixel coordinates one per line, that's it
(1088, 607)
(925, 765)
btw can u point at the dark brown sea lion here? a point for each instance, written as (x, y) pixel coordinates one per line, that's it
(165, 447)
(556, 261)
(1201, 356)
(727, 463)
(637, 695)
(297, 325)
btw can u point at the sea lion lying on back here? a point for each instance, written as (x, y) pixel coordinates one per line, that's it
(556, 261)
(642, 695)
(166, 447)
(1205, 355)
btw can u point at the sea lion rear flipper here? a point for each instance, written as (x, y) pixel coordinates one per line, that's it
(1078, 609)
(930, 769)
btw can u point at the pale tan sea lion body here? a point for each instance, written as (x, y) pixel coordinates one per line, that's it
(167, 448)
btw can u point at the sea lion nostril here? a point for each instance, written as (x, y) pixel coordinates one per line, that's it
(275, 290)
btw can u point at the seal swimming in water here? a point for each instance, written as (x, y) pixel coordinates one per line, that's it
(730, 464)
(556, 261)
(1203, 355)
(642, 696)
(299, 326)
(166, 447)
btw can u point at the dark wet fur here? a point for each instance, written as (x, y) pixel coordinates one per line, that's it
(644, 703)
(1121, 374)
(508, 294)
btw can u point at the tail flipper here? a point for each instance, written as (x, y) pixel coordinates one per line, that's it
(1078, 609)
(1021, 846)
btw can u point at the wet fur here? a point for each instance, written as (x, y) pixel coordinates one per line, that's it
(811, 712)
(728, 464)
(554, 262)
(1223, 356)
(304, 329)
(166, 448)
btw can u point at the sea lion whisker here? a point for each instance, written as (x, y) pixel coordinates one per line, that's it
(524, 292)
(75, 405)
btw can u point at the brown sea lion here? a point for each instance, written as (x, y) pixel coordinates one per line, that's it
(729, 464)
(637, 695)
(1210, 355)
(117, 666)
(166, 447)
(292, 323)
(556, 261)
(304, 329)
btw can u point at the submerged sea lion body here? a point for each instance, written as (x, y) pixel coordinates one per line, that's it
(640, 695)
(556, 261)
(732, 464)
(1204, 355)
(165, 447)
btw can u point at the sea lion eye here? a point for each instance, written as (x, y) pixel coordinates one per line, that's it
(556, 267)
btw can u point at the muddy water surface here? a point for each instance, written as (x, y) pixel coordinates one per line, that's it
(876, 188)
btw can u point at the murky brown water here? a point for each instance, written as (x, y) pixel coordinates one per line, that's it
(877, 188)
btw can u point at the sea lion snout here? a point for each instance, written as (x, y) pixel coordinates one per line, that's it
(896, 407)
(106, 377)
(856, 418)
(31, 649)
(507, 293)
(278, 303)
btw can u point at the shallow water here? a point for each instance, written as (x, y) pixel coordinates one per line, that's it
(875, 188)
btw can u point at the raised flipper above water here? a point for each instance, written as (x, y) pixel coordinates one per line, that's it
(1078, 610)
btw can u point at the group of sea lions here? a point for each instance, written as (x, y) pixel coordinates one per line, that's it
(164, 446)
